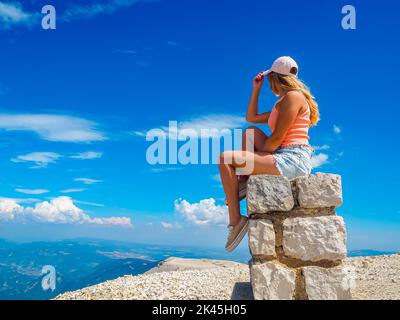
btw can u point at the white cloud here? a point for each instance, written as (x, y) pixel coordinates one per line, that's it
(32, 191)
(88, 11)
(88, 180)
(139, 133)
(12, 13)
(172, 43)
(51, 127)
(323, 147)
(337, 129)
(60, 210)
(21, 200)
(72, 190)
(87, 155)
(87, 203)
(203, 213)
(41, 159)
(318, 160)
(213, 125)
(168, 225)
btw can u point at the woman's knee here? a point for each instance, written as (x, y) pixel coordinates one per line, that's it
(222, 157)
(250, 129)
(226, 157)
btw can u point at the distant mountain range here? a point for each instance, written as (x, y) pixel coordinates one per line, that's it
(84, 262)
(366, 252)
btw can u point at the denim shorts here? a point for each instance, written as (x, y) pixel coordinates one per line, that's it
(293, 161)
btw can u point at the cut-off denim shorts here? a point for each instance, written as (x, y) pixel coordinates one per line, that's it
(293, 161)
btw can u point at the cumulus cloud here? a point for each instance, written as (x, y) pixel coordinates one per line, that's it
(202, 213)
(60, 210)
(40, 159)
(87, 180)
(87, 155)
(318, 160)
(32, 191)
(12, 13)
(52, 127)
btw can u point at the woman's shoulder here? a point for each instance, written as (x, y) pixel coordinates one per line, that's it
(293, 99)
(294, 95)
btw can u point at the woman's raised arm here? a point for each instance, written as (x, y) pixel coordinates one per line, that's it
(252, 115)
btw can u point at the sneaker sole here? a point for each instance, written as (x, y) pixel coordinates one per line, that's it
(239, 238)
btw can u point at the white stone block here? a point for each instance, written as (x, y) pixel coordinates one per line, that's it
(271, 281)
(315, 238)
(328, 284)
(319, 190)
(261, 237)
(267, 193)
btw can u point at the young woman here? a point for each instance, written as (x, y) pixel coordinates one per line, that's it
(286, 152)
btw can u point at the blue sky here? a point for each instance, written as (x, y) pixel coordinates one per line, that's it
(73, 102)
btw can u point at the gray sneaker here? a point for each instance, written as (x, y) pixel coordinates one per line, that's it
(236, 233)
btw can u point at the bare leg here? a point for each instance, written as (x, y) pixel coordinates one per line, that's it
(230, 184)
(263, 164)
(257, 138)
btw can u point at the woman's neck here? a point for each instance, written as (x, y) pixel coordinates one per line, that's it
(282, 93)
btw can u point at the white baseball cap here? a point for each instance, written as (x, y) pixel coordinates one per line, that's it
(284, 65)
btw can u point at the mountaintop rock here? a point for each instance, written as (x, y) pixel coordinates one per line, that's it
(378, 278)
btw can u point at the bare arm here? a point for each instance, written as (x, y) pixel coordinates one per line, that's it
(252, 115)
(288, 110)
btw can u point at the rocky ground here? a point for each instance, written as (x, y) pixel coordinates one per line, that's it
(377, 278)
(197, 279)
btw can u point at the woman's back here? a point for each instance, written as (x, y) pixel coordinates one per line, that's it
(297, 134)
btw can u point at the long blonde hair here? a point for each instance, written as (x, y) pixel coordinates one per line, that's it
(289, 83)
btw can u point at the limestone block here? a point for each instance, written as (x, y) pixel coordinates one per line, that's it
(319, 190)
(315, 238)
(261, 237)
(328, 284)
(271, 281)
(267, 193)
